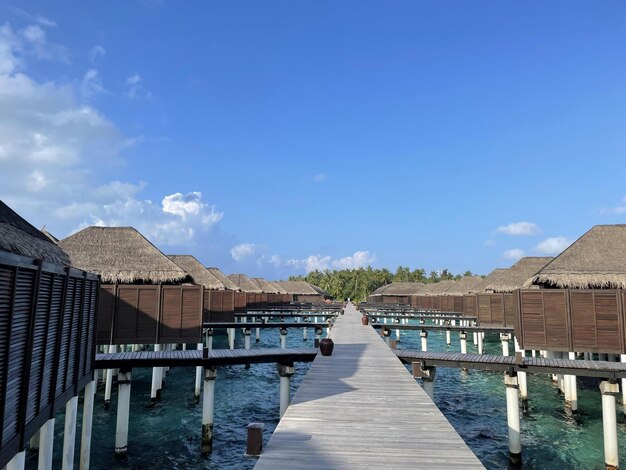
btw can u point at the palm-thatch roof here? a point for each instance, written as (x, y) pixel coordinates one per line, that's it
(465, 285)
(437, 288)
(321, 291)
(49, 236)
(597, 260)
(121, 255)
(279, 288)
(400, 288)
(489, 279)
(515, 277)
(245, 283)
(223, 278)
(19, 237)
(199, 274)
(265, 286)
(297, 287)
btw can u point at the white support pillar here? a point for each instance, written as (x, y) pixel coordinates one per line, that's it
(123, 413)
(504, 337)
(463, 338)
(69, 437)
(257, 332)
(623, 360)
(156, 371)
(571, 393)
(474, 338)
(428, 381)
(424, 337)
(198, 382)
(17, 462)
(387, 336)
(283, 338)
(448, 338)
(209, 339)
(305, 333)
(285, 371)
(108, 386)
(231, 337)
(480, 342)
(208, 407)
(46, 445)
(85, 441)
(33, 444)
(609, 424)
(512, 417)
(521, 378)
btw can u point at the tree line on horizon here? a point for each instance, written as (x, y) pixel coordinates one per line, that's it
(358, 283)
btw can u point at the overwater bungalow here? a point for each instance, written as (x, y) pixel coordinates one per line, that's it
(576, 301)
(301, 291)
(275, 294)
(396, 292)
(143, 299)
(47, 322)
(255, 297)
(230, 300)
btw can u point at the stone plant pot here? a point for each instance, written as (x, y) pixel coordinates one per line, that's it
(326, 346)
(365, 320)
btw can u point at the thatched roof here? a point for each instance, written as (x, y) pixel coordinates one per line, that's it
(245, 283)
(19, 237)
(437, 288)
(223, 278)
(279, 288)
(297, 287)
(465, 285)
(321, 291)
(515, 277)
(597, 260)
(265, 286)
(489, 279)
(400, 288)
(121, 255)
(199, 274)
(49, 236)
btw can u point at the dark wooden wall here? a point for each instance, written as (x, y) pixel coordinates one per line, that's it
(151, 314)
(571, 320)
(47, 344)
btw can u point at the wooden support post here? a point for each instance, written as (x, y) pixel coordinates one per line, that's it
(198, 383)
(424, 337)
(254, 442)
(85, 441)
(208, 407)
(46, 445)
(285, 371)
(609, 391)
(428, 380)
(123, 413)
(69, 437)
(512, 417)
(17, 462)
(283, 338)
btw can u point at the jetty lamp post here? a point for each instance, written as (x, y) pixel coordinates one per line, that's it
(285, 371)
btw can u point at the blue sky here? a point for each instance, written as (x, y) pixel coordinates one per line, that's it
(277, 137)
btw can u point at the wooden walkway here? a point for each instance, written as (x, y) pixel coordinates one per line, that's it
(484, 329)
(212, 358)
(535, 365)
(360, 408)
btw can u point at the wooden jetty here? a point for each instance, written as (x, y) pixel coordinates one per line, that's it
(339, 420)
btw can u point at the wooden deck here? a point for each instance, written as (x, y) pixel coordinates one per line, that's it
(535, 365)
(484, 329)
(212, 358)
(360, 408)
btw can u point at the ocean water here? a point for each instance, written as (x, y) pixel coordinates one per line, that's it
(168, 435)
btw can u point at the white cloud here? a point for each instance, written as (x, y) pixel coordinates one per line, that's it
(42, 20)
(519, 228)
(321, 263)
(514, 254)
(320, 177)
(35, 42)
(91, 84)
(135, 87)
(95, 53)
(553, 245)
(243, 251)
(612, 210)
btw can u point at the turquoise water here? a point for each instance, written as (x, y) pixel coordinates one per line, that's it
(168, 436)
